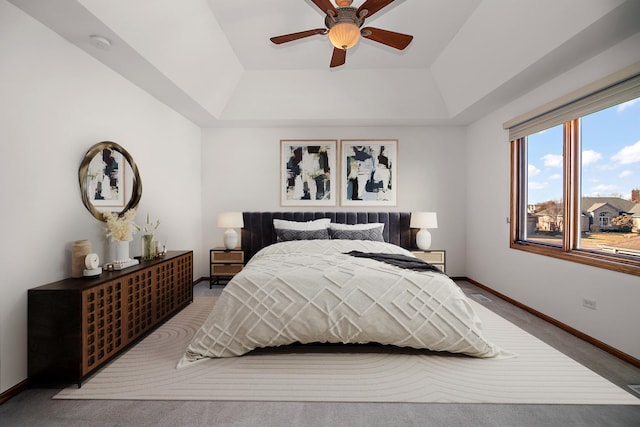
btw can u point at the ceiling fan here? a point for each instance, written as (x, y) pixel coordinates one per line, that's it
(343, 25)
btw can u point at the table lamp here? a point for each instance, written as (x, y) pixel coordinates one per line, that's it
(423, 221)
(230, 221)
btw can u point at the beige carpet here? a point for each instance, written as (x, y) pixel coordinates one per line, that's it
(539, 374)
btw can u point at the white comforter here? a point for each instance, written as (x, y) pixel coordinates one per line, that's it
(310, 291)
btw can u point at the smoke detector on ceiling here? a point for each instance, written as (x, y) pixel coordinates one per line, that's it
(100, 42)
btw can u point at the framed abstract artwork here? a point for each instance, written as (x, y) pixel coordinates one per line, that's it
(308, 172)
(105, 179)
(369, 171)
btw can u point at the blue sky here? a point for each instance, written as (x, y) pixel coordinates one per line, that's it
(610, 155)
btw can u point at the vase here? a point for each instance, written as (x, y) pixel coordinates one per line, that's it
(147, 247)
(79, 250)
(121, 250)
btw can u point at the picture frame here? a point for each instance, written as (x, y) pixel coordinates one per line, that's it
(105, 177)
(307, 172)
(369, 172)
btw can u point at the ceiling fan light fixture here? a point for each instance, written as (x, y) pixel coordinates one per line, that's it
(344, 35)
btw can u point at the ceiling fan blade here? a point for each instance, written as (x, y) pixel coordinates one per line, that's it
(325, 5)
(389, 38)
(295, 36)
(373, 6)
(338, 58)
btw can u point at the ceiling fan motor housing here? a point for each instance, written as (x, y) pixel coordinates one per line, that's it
(345, 14)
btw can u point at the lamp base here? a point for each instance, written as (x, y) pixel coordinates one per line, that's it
(423, 239)
(230, 239)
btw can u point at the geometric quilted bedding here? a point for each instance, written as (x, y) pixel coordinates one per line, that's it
(310, 291)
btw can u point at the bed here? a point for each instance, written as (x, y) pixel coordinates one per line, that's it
(317, 277)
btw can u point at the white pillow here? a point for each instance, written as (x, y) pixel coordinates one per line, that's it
(336, 226)
(318, 224)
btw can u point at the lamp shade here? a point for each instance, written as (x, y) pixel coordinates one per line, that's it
(230, 220)
(424, 220)
(344, 35)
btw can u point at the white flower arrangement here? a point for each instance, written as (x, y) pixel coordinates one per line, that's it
(149, 227)
(120, 227)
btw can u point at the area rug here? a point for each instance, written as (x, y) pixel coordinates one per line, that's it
(335, 373)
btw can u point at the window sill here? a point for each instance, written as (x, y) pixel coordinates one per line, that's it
(621, 264)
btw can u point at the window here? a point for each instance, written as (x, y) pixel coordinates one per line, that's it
(545, 205)
(575, 185)
(604, 220)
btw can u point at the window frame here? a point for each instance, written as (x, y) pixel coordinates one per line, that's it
(569, 250)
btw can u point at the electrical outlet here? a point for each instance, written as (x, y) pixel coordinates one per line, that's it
(589, 303)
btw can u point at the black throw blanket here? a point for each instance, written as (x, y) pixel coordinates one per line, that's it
(402, 261)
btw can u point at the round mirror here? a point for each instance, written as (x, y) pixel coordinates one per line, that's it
(109, 180)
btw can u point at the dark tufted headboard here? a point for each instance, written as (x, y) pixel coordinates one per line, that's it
(258, 229)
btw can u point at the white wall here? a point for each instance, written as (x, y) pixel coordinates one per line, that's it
(241, 173)
(55, 103)
(549, 285)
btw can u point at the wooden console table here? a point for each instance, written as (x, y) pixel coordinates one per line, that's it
(77, 325)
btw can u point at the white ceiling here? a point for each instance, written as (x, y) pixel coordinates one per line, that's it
(212, 61)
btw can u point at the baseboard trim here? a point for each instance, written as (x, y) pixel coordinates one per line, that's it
(13, 391)
(603, 346)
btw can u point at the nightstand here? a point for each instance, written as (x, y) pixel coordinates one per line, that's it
(435, 257)
(225, 263)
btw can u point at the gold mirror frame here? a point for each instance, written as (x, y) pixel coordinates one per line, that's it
(136, 191)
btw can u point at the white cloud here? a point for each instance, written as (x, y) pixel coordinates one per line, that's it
(626, 105)
(605, 189)
(625, 174)
(629, 154)
(537, 185)
(553, 160)
(532, 170)
(590, 156)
